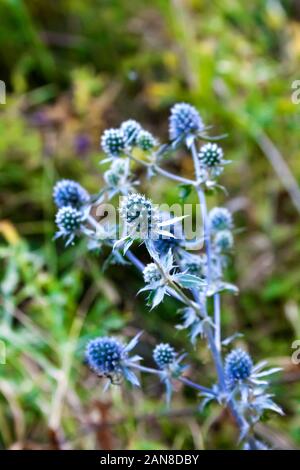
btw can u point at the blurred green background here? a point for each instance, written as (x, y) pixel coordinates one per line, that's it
(73, 68)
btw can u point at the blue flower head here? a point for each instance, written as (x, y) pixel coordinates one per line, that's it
(164, 355)
(151, 273)
(105, 355)
(145, 140)
(139, 214)
(69, 193)
(195, 265)
(220, 219)
(163, 244)
(223, 240)
(118, 173)
(108, 357)
(113, 142)
(211, 155)
(68, 220)
(238, 366)
(184, 119)
(130, 129)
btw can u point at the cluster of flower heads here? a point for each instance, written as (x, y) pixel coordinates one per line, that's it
(72, 201)
(185, 121)
(221, 224)
(115, 142)
(107, 356)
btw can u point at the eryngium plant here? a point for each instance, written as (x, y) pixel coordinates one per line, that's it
(192, 278)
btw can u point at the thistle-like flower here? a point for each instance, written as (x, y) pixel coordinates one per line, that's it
(247, 381)
(105, 355)
(130, 129)
(146, 141)
(211, 155)
(69, 193)
(151, 273)
(117, 176)
(108, 357)
(113, 142)
(164, 355)
(195, 265)
(164, 244)
(238, 366)
(184, 120)
(168, 361)
(174, 271)
(68, 220)
(155, 280)
(223, 241)
(142, 220)
(220, 219)
(140, 216)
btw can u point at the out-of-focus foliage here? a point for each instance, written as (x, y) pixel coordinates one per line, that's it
(73, 68)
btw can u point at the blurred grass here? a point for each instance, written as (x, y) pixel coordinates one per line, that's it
(73, 68)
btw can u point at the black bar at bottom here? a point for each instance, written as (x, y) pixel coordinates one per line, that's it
(133, 459)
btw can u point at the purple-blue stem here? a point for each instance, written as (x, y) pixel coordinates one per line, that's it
(214, 341)
(184, 380)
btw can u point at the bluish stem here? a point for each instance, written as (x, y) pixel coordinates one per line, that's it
(217, 320)
(202, 201)
(214, 341)
(198, 387)
(161, 171)
(134, 260)
(183, 380)
(216, 357)
(148, 370)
